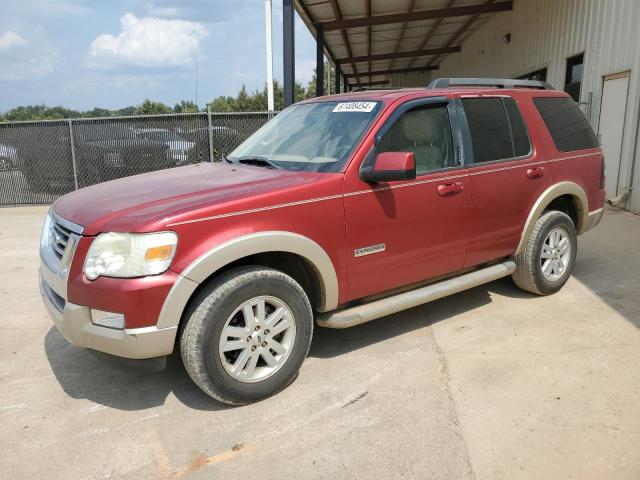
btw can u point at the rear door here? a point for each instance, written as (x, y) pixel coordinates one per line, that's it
(404, 232)
(506, 174)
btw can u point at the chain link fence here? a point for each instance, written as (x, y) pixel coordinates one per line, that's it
(42, 160)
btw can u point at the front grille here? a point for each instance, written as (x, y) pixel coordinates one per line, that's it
(58, 238)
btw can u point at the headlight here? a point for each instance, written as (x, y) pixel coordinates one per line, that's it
(46, 231)
(126, 255)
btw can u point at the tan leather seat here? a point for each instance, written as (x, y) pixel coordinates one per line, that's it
(423, 134)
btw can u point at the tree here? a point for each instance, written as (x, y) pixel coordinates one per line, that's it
(311, 86)
(257, 100)
(39, 112)
(185, 106)
(149, 107)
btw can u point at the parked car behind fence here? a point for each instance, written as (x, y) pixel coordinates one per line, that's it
(46, 159)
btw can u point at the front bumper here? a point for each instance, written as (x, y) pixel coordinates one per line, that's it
(74, 322)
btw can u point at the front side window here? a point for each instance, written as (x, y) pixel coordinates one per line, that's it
(313, 137)
(425, 131)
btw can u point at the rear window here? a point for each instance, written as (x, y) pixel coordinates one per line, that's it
(497, 129)
(567, 125)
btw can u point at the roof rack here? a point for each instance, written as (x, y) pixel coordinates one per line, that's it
(366, 89)
(488, 82)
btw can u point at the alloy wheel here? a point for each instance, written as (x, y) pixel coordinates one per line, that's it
(257, 339)
(556, 254)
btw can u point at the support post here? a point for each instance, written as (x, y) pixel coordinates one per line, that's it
(288, 52)
(210, 130)
(338, 79)
(73, 155)
(267, 20)
(319, 61)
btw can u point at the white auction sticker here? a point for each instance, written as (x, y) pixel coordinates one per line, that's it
(355, 107)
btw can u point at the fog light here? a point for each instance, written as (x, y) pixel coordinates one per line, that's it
(107, 319)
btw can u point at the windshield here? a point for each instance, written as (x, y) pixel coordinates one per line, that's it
(313, 137)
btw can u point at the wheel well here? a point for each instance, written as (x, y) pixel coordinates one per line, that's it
(296, 266)
(566, 204)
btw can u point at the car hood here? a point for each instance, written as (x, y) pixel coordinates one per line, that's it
(149, 201)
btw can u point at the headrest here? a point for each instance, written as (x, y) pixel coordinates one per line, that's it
(422, 126)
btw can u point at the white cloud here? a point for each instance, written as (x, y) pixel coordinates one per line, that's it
(11, 39)
(150, 41)
(27, 55)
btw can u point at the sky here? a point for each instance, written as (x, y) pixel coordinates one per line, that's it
(114, 53)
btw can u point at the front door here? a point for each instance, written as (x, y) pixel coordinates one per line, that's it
(404, 232)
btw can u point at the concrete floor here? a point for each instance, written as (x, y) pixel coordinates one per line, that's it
(491, 383)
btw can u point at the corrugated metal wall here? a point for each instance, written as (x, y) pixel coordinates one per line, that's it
(544, 33)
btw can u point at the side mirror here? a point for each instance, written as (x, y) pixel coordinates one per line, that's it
(390, 166)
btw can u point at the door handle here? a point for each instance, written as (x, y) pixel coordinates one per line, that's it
(449, 189)
(536, 172)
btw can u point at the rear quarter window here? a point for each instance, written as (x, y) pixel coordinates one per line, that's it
(566, 123)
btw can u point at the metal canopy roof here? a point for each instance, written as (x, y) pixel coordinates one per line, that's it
(372, 39)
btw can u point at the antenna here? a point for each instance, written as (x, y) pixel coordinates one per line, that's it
(196, 84)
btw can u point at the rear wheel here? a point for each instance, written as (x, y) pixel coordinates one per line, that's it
(546, 262)
(247, 335)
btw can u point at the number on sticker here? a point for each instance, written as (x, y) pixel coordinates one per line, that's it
(355, 107)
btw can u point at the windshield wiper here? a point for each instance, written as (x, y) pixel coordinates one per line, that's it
(257, 161)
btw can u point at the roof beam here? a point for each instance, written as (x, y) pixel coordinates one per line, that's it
(401, 36)
(369, 84)
(340, 24)
(389, 72)
(461, 31)
(427, 38)
(387, 56)
(345, 39)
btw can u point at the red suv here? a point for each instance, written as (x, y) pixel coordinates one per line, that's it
(340, 210)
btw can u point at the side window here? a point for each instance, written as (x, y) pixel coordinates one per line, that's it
(566, 123)
(521, 144)
(490, 132)
(425, 131)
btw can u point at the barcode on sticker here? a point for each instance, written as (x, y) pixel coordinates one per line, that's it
(355, 107)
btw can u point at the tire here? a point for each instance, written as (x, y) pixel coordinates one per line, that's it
(539, 275)
(216, 311)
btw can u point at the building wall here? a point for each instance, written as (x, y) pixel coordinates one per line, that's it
(544, 33)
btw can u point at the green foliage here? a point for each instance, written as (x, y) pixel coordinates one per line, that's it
(39, 112)
(256, 101)
(42, 112)
(185, 106)
(244, 101)
(149, 107)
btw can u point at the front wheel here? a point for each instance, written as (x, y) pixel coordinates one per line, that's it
(247, 334)
(547, 260)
